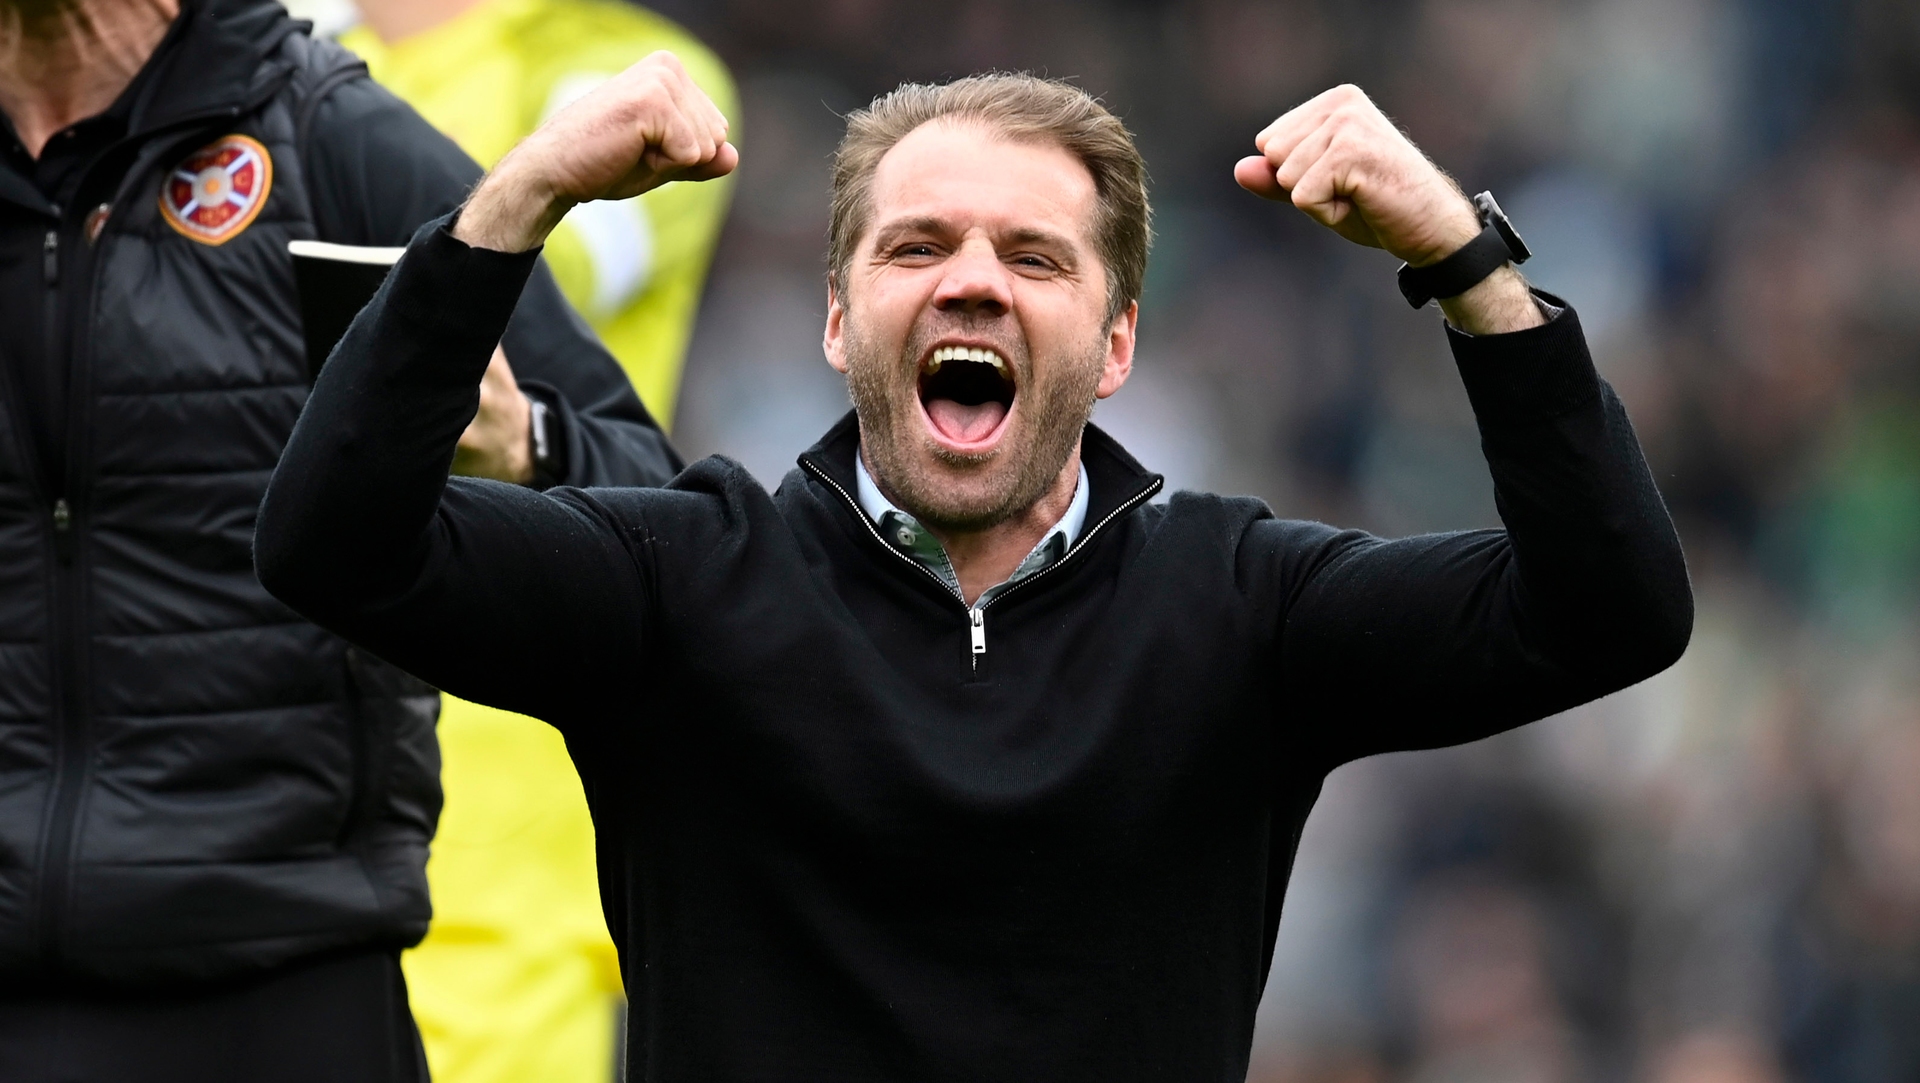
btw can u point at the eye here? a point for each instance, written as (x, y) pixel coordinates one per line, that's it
(915, 251)
(1032, 262)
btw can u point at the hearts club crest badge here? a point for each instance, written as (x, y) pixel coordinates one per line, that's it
(216, 191)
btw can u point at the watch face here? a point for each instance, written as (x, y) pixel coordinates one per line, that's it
(1492, 215)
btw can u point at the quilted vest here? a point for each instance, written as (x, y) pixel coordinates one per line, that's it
(194, 782)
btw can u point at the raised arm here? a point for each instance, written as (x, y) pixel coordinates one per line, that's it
(1428, 641)
(604, 436)
(1433, 640)
(494, 592)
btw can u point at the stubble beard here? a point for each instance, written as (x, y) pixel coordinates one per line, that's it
(996, 486)
(34, 19)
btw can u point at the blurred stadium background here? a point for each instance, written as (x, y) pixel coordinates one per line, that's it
(1711, 878)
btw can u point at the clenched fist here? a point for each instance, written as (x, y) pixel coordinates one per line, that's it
(644, 127)
(1340, 160)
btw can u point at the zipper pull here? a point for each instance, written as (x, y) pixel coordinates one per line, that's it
(63, 530)
(979, 631)
(97, 222)
(50, 257)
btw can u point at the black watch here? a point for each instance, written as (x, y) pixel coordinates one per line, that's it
(1497, 244)
(545, 437)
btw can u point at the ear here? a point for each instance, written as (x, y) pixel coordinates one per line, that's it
(1120, 338)
(834, 342)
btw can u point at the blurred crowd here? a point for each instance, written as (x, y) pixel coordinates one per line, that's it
(1711, 878)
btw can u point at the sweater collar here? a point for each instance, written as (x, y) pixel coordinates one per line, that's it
(878, 507)
(1115, 480)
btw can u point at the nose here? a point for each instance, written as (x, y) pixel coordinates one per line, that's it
(975, 282)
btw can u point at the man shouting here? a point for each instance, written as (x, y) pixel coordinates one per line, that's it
(964, 761)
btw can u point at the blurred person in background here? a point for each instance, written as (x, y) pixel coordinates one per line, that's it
(1472, 954)
(517, 978)
(214, 816)
(1854, 1011)
(1495, 963)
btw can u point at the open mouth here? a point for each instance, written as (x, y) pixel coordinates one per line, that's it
(966, 392)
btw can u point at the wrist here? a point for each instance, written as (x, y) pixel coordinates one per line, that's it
(514, 460)
(1456, 230)
(498, 444)
(509, 212)
(1496, 248)
(520, 466)
(1499, 304)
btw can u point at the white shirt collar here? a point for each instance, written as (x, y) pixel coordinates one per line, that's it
(876, 505)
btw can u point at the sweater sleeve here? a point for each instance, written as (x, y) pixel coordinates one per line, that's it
(1434, 640)
(380, 170)
(497, 593)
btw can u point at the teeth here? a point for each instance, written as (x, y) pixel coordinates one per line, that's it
(964, 353)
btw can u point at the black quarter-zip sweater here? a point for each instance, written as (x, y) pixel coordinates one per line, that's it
(834, 843)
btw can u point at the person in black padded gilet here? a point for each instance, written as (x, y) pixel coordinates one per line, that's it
(214, 816)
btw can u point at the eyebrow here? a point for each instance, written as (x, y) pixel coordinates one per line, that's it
(918, 224)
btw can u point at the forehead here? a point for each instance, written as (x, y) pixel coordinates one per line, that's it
(966, 175)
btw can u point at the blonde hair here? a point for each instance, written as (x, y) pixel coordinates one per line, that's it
(1023, 108)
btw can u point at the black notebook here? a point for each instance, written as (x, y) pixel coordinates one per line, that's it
(335, 281)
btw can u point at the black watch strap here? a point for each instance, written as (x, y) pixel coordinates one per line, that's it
(1496, 245)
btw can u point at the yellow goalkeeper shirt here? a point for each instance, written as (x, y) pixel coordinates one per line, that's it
(490, 75)
(517, 978)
